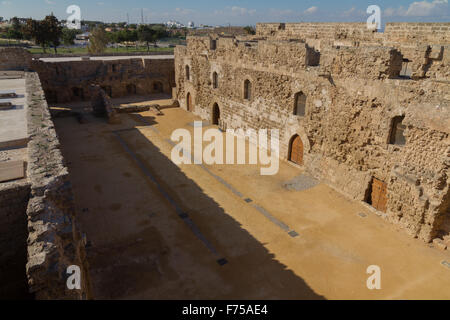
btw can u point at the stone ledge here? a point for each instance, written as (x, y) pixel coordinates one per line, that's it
(54, 242)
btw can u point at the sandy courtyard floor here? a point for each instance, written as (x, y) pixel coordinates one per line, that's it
(161, 231)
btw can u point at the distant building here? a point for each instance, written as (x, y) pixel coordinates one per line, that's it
(191, 24)
(174, 24)
(83, 36)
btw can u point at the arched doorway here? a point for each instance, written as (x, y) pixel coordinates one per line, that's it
(189, 102)
(131, 89)
(78, 93)
(108, 90)
(215, 114)
(296, 150)
(158, 87)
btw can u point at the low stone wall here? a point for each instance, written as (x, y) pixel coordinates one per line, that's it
(425, 33)
(362, 62)
(405, 32)
(14, 59)
(70, 80)
(315, 30)
(111, 54)
(13, 239)
(54, 242)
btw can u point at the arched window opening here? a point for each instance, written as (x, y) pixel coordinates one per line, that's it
(189, 102)
(215, 80)
(215, 114)
(300, 104)
(188, 73)
(247, 90)
(397, 129)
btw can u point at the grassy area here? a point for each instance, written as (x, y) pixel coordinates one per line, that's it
(108, 50)
(11, 42)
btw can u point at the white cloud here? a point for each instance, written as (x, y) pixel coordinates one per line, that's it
(242, 11)
(353, 13)
(424, 8)
(181, 11)
(6, 3)
(280, 12)
(100, 3)
(235, 12)
(420, 9)
(49, 2)
(311, 10)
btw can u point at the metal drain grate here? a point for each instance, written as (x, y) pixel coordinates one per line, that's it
(293, 234)
(362, 215)
(222, 261)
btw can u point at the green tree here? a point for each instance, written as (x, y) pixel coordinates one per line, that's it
(97, 40)
(54, 31)
(160, 32)
(250, 30)
(146, 34)
(15, 31)
(37, 30)
(68, 36)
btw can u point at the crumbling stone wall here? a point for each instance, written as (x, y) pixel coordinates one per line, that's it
(70, 80)
(315, 30)
(423, 33)
(13, 239)
(395, 32)
(54, 240)
(353, 95)
(14, 59)
(102, 106)
(365, 62)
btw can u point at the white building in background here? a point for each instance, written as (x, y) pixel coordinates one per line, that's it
(173, 23)
(191, 24)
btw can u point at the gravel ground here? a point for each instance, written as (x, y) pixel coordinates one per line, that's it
(301, 182)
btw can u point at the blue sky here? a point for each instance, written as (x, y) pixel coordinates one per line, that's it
(224, 12)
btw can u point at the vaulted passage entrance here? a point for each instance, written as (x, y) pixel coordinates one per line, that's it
(296, 150)
(378, 195)
(158, 87)
(131, 89)
(215, 114)
(189, 102)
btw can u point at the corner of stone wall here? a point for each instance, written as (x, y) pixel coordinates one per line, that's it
(54, 242)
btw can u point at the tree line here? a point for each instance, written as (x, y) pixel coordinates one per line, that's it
(51, 33)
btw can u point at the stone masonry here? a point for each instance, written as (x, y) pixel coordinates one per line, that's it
(360, 87)
(70, 81)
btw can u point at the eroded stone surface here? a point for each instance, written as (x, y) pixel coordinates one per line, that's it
(353, 81)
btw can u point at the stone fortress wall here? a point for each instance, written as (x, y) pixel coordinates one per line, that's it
(356, 88)
(70, 80)
(425, 33)
(14, 198)
(14, 59)
(39, 237)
